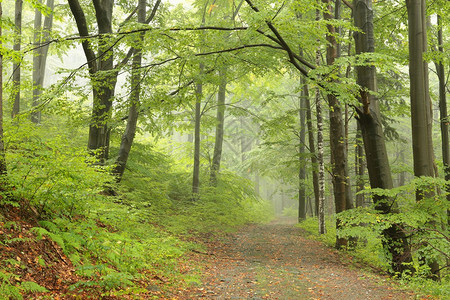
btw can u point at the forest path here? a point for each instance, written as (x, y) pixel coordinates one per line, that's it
(277, 261)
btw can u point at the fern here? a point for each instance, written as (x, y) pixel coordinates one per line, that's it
(7, 290)
(53, 236)
(32, 287)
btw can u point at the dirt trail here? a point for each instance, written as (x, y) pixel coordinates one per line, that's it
(276, 261)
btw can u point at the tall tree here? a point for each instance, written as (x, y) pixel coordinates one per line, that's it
(421, 114)
(103, 74)
(320, 159)
(2, 145)
(341, 184)
(312, 149)
(134, 101)
(360, 166)
(41, 35)
(440, 70)
(100, 66)
(197, 124)
(17, 64)
(221, 95)
(369, 118)
(215, 166)
(302, 151)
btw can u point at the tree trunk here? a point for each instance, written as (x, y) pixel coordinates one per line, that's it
(421, 115)
(320, 161)
(321, 171)
(133, 114)
(198, 115)
(16, 65)
(394, 239)
(421, 118)
(104, 83)
(217, 156)
(312, 149)
(359, 167)
(341, 186)
(2, 144)
(103, 79)
(302, 152)
(443, 111)
(41, 35)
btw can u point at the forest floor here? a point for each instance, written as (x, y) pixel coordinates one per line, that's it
(271, 261)
(277, 261)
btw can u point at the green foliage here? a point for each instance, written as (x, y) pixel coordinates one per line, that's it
(10, 289)
(32, 287)
(7, 289)
(48, 172)
(311, 225)
(424, 223)
(159, 189)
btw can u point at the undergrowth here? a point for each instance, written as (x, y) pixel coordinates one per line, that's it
(369, 250)
(117, 242)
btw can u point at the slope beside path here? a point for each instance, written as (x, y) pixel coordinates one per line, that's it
(277, 261)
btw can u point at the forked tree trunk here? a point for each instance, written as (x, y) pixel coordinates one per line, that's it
(103, 74)
(394, 239)
(133, 113)
(103, 80)
(16, 65)
(41, 35)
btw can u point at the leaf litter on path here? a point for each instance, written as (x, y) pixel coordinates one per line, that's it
(277, 261)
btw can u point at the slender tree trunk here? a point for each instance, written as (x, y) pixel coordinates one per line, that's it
(133, 114)
(217, 156)
(394, 239)
(302, 152)
(341, 186)
(312, 149)
(444, 120)
(16, 65)
(196, 172)
(320, 160)
(359, 167)
(320, 152)
(41, 35)
(421, 115)
(2, 145)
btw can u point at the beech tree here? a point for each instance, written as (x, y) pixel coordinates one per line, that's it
(218, 143)
(103, 73)
(421, 114)
(341, 182)
(2, 144)
(134, 101)
(17, 64)
(41, 36)
(369, 118)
